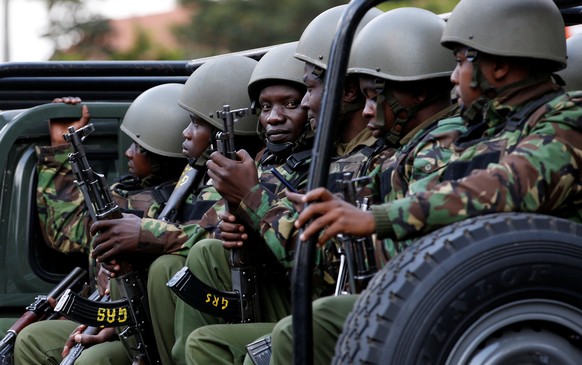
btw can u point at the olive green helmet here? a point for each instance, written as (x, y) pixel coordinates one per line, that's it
(315, 43)
(573, 73)
(155, 121)
(218, 82)
(402, 45)
(517, 28)
(278, 64)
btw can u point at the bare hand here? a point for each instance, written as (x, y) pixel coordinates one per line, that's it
(111, 268)
(103, 280)
(232, 234)
(296, 199)
(104, 335)
(334, 216)
(233, 179)
(114, 237)
(58, 127)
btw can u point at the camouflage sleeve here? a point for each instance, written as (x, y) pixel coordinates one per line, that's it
(179, 238)
(540, 175)
(63, 216)
(272, 216)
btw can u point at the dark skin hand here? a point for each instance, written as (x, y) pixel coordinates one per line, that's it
(114, 237)
(296, 199)
(77, 336)
(58, 127)
(333, 216)
(232, 234)
(103, 280)
(233, 179)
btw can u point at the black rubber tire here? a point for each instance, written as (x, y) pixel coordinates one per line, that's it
(419, 306)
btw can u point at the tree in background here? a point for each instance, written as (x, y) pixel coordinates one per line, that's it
(216, 27)
(72, 24)
(220, 26)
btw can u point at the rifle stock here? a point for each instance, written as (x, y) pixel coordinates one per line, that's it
(38, 310)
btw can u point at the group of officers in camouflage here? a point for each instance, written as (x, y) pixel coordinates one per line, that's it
(508, 138)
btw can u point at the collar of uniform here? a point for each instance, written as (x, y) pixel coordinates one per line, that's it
(508, 101)
(364, 138)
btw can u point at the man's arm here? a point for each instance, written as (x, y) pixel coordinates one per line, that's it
(542, 174)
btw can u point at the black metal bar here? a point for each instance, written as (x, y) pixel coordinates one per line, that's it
(318, 173)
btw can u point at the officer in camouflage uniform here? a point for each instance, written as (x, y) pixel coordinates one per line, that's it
(572, 74)
(42, 342)
(522, 147)
(63, 213)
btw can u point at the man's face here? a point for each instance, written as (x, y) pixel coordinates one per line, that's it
(312, 99)
(138, 162)
(197, 136)
(368, 88)
(369, 112)
(462, 77)
(281, 115)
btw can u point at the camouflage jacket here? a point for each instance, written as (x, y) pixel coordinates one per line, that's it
(179, 238)
(507, 162)
(273, 216)
(64, 216)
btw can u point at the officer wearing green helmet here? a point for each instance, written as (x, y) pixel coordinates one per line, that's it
(521, 150)
(571, 74)
(313, 48)
(155, 160)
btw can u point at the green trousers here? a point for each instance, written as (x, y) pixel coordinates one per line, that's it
(162, 302)
(42, 343)
(208, 261)
(329, 315)
(223, 344)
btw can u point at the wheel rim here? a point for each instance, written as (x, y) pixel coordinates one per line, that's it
(505, 336)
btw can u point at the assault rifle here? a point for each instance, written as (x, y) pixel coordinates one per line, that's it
(359, 252)
(242, 304)
(38, 310)
(244, 275)
(134, 302)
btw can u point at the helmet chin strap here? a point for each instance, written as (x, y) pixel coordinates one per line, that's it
(394, 135)
(474, 112)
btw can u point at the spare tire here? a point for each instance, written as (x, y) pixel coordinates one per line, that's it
(498, 289)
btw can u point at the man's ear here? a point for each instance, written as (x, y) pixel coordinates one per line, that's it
(500, 69)
(351, 89)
